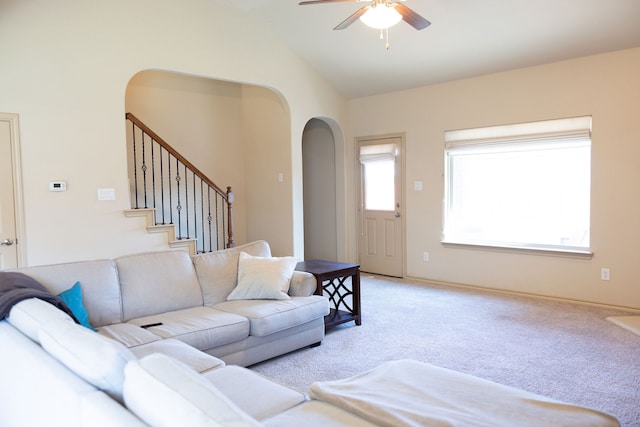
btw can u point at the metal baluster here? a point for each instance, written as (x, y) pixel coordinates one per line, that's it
(153, 182)
(202, 214)
(162, 185)
(195, 211)
(179, 206)
(217, 218)
(144, 173)
(135, 164)
(170, 189)
(186, 202)
(209, 216)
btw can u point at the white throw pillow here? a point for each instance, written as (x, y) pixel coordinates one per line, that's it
(164, 392)
(97, 359)
(263, 277)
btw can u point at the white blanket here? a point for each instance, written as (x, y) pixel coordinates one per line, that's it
(410, 393)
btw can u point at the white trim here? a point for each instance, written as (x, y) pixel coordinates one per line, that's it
(16, 163)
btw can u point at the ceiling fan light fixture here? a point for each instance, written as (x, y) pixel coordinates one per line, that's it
(381, 16)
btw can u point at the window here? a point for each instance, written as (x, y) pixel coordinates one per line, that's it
(519, 186)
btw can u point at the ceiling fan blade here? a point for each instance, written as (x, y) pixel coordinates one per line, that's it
(353, 18)
(411, 17)
(302, 3)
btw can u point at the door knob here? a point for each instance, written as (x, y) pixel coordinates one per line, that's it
(7, 242)
(397, 214)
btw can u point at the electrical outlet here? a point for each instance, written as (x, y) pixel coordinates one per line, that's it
(425, 256)
(605, 274)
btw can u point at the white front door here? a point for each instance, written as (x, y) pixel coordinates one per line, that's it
(9, 253)
(380, 205)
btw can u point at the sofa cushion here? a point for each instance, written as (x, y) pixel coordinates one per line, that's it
(36, 389)
(256, 395)
(165, 393)
(200, 327)
(268, 317)
(197, 360)
(218, 271)
(263, 277)
(73, 298)
(29, 316)
(97, 359)
(316, 413)
(155, 282)
(99, 410)
(99, 282)
(128, 334)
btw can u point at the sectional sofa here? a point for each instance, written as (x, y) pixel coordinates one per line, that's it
(144, 298)
(190, 309)
(159, 339)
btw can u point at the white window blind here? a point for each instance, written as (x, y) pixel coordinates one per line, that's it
(377, 153)
(523, 185)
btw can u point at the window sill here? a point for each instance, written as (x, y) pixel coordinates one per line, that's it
(569, 253)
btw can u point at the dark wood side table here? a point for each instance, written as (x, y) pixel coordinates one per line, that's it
(331, 278)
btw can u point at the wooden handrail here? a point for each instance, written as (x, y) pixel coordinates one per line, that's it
(177, 155)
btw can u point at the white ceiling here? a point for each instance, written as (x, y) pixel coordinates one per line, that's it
(466, 38)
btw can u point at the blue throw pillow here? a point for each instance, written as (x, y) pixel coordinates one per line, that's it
(73, 298)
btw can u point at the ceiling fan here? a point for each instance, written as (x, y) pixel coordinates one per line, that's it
(380, 14)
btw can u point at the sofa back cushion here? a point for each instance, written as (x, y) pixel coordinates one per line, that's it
(157, 282)
(218, 271)
(163, 392)
(95, 358)
(31, 315)
(99, 281)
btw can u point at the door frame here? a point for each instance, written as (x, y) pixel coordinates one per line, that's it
(18, 200)
(359, 195)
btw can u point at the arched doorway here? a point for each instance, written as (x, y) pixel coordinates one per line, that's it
(319, 189)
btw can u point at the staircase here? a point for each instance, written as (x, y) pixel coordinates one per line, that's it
(175, 197)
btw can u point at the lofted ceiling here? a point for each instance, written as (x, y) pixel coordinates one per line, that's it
(466, 38)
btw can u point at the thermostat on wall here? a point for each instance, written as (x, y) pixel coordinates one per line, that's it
(57, 186)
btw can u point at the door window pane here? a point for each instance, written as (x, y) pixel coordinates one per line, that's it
(379, 185)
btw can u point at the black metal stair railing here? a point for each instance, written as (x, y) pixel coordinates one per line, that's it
(162, 179)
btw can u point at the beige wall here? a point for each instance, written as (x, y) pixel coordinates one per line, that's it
(65, 69)
(268, 153)
(604, 86)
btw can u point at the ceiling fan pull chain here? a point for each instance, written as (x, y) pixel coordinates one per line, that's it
(387, 45)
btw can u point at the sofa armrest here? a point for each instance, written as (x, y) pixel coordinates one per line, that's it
(303, 284)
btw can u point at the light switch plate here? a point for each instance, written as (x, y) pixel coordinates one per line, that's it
(106, 193)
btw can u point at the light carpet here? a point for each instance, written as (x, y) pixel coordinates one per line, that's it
(565, 351)
(630, 323)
